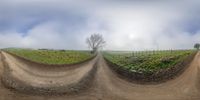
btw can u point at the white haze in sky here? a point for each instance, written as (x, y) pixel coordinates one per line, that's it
(124, 24)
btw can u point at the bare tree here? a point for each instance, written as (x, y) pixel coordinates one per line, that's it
(95, 41)
(197, 45)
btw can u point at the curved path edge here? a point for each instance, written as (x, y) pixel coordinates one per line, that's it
(18, 84)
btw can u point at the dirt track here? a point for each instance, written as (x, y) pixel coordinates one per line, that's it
(107, 86)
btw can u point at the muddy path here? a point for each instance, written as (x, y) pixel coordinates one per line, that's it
(106, 85)
(35, 79)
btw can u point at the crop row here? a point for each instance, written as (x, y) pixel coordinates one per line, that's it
(52, 56)
(147, 62)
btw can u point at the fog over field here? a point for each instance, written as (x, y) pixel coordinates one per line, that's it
(124, 24)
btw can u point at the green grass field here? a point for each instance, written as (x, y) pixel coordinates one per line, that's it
(147, 61)
(52, 56)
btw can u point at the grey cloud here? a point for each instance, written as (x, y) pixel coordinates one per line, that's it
(126, 25)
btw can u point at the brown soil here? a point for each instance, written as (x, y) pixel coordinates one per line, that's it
(107, 86)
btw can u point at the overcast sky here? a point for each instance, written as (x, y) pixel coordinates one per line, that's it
(124, 24)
